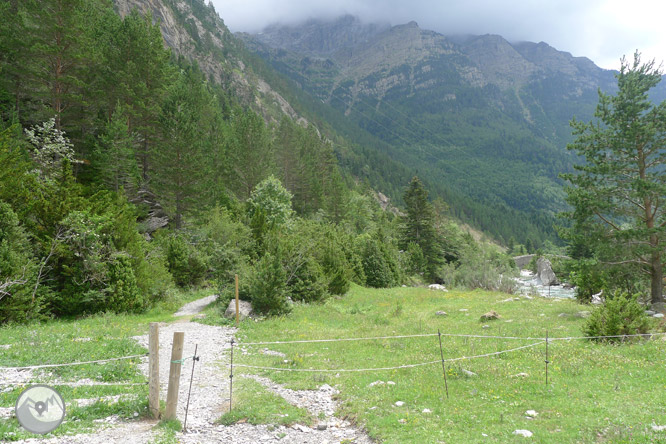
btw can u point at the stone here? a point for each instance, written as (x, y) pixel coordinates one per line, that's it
(390, 382)
(426, 411)
(372, 384)
(520, 375)
(399, 403)
(437, 287)
(322, 426)
(659, 307)
(441, 313)
(523, 261)
(301, 428)
(597, 299)
(486, 326)
(525, 433)
(402, 421)
(468, 373)
(490, 316)
(657, 428)
(244, 309)
(545, 272)
(658, 316)
(563, 315)
(650, 312)
(531, 413)
(583, 314)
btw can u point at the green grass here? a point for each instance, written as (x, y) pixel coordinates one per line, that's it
(86, 339)
(254, 404)
(596, 392)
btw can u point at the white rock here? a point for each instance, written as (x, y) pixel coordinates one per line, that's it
(468, 373)
(658, 315)
(463, 309)
(402, 421)
(426, 411)
(372, 384)
(437, 287)
(520, 375)
(390, 382)
(399, 403)
(657, 428)
(531, 413)
(525, 433)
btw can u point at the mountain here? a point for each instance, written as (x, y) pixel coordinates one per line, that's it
(484, 121)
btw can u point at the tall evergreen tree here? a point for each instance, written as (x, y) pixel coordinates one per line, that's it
(179, 161)
(251, 152)
(419, 227)
(618, 193)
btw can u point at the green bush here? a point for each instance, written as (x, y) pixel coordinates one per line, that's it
(268, 289)
(18, 271)
(124, 294)
(307, 283)
(187, 265)
(619, 315)
(378, 271)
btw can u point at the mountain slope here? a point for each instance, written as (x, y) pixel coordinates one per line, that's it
(476, 116)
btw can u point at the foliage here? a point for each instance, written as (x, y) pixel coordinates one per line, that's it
(621, 314)
(18, 271)
(273, 200)
(268, 288)
(419, 228)
(50, 147)
(380, 266)
(185, 263)
(124, 294)
(617, 193)
(481, 266)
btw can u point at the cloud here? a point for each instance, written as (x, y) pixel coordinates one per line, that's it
(603, 30)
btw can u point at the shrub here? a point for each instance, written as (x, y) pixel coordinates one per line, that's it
(268, 289)
(123, 292)
(307, 282)
(187, 265)
(620, 315)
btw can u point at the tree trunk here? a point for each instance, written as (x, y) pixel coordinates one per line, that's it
(656, 274)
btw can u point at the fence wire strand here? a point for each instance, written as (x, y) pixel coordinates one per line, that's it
(420, 364)
(450, 335)
(69, 364)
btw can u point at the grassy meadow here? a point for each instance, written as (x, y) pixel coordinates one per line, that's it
(595, 393)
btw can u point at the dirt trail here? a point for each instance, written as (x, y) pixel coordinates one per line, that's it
(210, 397)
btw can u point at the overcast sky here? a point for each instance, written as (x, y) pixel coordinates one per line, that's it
(603, 30)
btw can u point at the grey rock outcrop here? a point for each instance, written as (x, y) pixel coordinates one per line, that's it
(244, 309)
(545, 272)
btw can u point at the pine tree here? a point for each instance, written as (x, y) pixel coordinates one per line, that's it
(419, 227)
(179, 162)
(618, 193)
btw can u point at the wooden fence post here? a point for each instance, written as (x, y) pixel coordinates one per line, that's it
(174, 375)
(154, 370)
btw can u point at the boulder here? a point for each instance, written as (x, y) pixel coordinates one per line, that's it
(441, 313)
(545, 272)
(523, 261)
(659, 307)
(244, 309)
(525, 433)
(490, 316)
(437, 287)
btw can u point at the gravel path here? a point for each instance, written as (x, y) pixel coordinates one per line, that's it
(210, 397)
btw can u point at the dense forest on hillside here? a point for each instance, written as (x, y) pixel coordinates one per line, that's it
(126, 172)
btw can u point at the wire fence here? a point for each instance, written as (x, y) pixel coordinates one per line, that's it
(539, 341)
